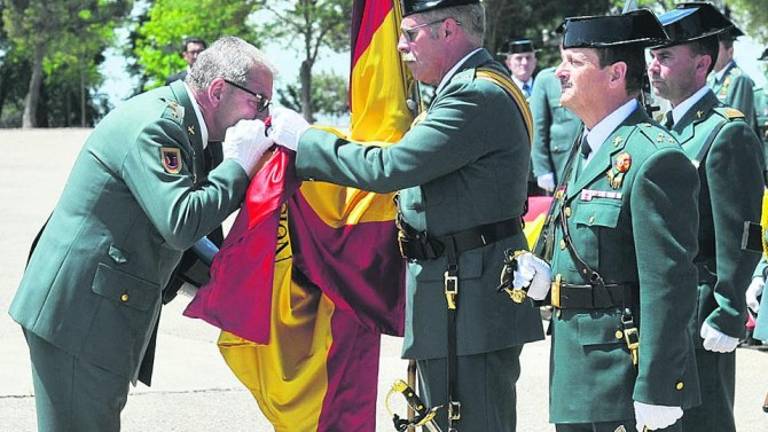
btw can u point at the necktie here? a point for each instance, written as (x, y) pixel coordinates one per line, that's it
(585, 148)
(527, 90)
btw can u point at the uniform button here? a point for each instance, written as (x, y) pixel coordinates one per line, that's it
(562, 245)
(679, 386)
(567, 212)
(619, 334)
(124, 298)
(591, 220)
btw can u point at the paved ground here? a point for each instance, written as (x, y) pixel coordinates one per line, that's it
(194, 390)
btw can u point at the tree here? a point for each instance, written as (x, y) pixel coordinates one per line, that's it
(541, 19)
(755, 14)
(329, 95)
(160, 32)
(41, 29)
(317, 24)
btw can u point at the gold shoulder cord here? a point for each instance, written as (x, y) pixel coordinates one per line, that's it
(506, 83)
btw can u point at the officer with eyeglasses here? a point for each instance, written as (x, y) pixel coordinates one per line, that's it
(461, 171)
(138, 195)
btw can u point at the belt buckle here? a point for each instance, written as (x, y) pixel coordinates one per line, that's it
(451, 289)
(454, 410)
(555, 291)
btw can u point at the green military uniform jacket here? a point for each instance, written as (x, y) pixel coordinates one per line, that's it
(761, 114)
(463, 166)
(736, 90)
(554, 127)
(731, 193)
(135, 199)
(641, 233)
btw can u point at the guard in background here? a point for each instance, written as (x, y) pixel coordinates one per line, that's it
(761, 103)
(619, 242)
(732, 86)
(555, 128)
(521, 61)
(729, 158)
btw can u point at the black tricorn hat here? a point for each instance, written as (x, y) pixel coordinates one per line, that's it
(694, 20)
(639, 27)
(517, 46)
(764, 56)
(411, 7)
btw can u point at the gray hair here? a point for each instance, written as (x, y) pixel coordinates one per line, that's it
(471, 17)
(230, 58)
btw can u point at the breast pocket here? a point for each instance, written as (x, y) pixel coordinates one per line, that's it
(595, 224)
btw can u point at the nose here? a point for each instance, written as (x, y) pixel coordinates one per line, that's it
(653, 65)
(402, 44)
(560, 71)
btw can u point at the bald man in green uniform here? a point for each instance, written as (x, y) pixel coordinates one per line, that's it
(620, 241)
(554, 130)
(729, 158)
(461, 172)
(136, 198)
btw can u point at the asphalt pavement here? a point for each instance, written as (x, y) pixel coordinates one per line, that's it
(193, 389)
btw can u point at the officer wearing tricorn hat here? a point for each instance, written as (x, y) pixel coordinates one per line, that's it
(521, 61)
(616, 256)
(728, 156)
(461, 172)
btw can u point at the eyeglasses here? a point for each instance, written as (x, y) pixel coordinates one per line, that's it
(410, 33)
(262, 102)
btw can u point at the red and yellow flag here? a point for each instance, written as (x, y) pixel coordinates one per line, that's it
(338, 279)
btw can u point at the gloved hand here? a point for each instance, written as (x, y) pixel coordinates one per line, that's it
(655, 416)
(287, 127)
(246, 142)
(753, 292)
(534, 273)
(716, 341)
(546, 182)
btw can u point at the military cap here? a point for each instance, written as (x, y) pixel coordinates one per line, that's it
(517, 46)
(639, 28)
(691, 21)
(411, 7)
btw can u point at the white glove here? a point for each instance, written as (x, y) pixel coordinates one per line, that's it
(753, 292)
(287, 127)
(716, 341)
(534, 273)
(546, 182)
(246, 143)
(655, 416)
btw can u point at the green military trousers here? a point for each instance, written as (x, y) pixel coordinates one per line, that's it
(72, 395)
(485, 387)
(717, 378)
(628, 426)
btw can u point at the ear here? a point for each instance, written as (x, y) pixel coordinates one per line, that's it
(215, 91)
(618, 73)
(703, 62)
(449, 27)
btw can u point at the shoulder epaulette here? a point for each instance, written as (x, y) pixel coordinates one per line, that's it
(512, 90)
(729, 113)
(656, 134)
(174, 111)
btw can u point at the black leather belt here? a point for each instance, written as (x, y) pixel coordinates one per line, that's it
(576, 296)
(417, 245)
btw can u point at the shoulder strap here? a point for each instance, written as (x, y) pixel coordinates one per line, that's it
(711, 138)
(506, 83)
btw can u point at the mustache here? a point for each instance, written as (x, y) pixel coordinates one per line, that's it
(407, 57)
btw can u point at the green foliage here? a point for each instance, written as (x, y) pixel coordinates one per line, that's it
(755, 14)
(159, 38)
(540, 19)
(329, 95)
(64, 39)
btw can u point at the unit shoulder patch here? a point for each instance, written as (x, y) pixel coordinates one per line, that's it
(170, 157)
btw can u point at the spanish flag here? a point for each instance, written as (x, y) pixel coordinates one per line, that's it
(311, 359)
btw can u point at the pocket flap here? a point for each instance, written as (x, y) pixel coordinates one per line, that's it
(600, 329)
(124, 288)
(598, 214)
